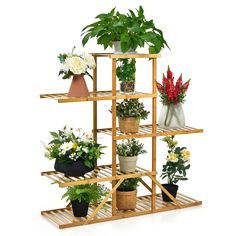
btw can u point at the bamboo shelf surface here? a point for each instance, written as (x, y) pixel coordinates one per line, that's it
(99, 174)
(146, 131)
(136, 55)
(63, 218)
(96, 96)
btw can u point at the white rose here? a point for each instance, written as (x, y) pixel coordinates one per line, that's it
(89, 60)
(76, 65)
(64, 67)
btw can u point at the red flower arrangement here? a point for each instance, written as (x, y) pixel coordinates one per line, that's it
(171, 93)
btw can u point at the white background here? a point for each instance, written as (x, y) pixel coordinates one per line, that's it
(202, 38)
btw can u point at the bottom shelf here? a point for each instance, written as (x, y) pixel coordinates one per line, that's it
(63, 218)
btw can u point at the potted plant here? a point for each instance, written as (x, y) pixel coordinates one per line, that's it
(126, 194)
(125, 31)
(83, 195)
(126, 74)
(128, 152)
(129, 113)
(174, 170)
(172, 97)
(76, 66)
(75, 152)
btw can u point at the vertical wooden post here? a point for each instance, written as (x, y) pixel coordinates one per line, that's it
(95, 104)
(154, 104)
(113, 133)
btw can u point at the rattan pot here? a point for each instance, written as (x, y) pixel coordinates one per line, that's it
(128, 164)
(129, 124)
(126, 200)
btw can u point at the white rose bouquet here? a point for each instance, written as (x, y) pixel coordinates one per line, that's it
(75, 64)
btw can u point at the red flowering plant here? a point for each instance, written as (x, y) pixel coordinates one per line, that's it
(171, 93)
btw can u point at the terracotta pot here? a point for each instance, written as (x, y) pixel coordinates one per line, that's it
(126, 200)
(129, 124)
(128, 164)
(78, 87)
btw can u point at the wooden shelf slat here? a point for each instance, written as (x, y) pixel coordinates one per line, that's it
(99, 174)
(146, 131)
(63, 218)
(96, 96)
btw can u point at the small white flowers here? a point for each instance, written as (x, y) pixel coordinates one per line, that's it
(66, 147)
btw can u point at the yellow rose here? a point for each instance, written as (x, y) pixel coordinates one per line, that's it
(75, 145)
(186, 154)
(76, 65)
(172, 157)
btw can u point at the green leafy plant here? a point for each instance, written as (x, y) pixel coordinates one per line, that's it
(130, 148)
(177, 161)
(131, 108)
(89, 193)
(126, 69)
(69, 146)
(129, 184)
(132, 30)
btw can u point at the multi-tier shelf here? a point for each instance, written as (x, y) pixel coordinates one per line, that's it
(148, 204)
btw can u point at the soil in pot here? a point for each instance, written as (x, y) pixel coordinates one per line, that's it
(128, 164)
(126, 200)
(129, 124)
(76, 168)
(80, 209)
(172, 189)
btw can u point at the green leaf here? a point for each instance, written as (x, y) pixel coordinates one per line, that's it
(152, 50)
(86, 38)
(54, 134)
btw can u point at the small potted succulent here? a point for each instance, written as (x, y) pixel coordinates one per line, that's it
(174, 170)
(126, 194)
(172, 97)
(126, 75)
(76, 66)
(129, 113)
(75, 152)
(82, 195)
(125, 31)
(128, 152)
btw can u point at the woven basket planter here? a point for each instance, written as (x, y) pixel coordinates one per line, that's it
(126, 200)
(129, 124)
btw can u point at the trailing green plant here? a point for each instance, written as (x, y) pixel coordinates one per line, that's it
(177, 161)
(131, 108)
(69, 146)
(89, 193)
(126, 69)
(129, 184)
(130, 148)
(132, 30)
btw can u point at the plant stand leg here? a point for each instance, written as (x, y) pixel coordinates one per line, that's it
(104, 201)
(165, 191)
(145, 185)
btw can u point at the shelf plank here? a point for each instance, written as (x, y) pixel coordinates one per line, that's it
(125, 55)
(99, 174)
(63, 218)
(146, 131)
(96, 96)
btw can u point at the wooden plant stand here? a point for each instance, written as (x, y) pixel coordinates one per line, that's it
(152, 203)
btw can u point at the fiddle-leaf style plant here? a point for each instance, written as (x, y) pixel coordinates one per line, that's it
(129, 184)
(75, 64)
(131, 108)
(69, 146)
(130, 148)
(177, 161)
(89, 193)
(132, 30)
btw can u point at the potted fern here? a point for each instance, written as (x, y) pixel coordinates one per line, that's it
(126, 75)
(174, 169)
(129, 113)
(126, 194)
(83, 195)
(126, 32)
(128, 152)
(75, 153)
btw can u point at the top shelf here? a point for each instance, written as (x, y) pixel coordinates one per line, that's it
(138, 55)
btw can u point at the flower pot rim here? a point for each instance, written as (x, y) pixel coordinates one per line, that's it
(129, 117)
(127, 192)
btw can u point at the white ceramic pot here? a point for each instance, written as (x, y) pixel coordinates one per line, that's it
(128, 164)
(117, 49)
